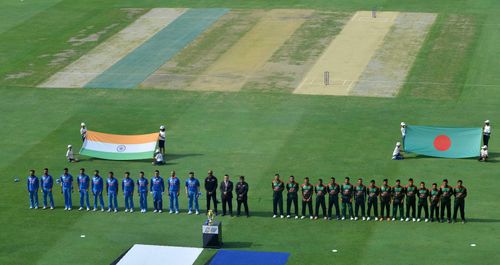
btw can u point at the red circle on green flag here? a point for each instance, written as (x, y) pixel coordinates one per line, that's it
(442, 142)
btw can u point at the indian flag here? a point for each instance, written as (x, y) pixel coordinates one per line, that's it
(119, 147)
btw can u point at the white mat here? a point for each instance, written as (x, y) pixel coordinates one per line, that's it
(160, 255)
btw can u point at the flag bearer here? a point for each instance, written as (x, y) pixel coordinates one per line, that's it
(97, 188)
(161, 139)
(460, 193)
(398, 197)
(446, 192)
(292, 188)
(112, 190)
(373, 192)
(307, 190)
(411, 192)
(486, 132)
(66, 188)
(142, 189)
(157, 188)
(278, 186)
(174, 185)
(385, 200)
(320, 190)
(83, 131)
(47, 182)
(193, 192)
(128, 192)
(403, 132)
(32, 186)
(347, 191)
(423, 195)
(396, 154)
(435, 195)
(360, 199)
(83, 188)
(333, 190)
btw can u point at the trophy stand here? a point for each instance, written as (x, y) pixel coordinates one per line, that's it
(212, 232)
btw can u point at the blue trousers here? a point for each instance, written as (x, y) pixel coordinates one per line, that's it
(112, 201)
(33, 198)
(193, 196)
(157, 200)
(143, 200)
(84, 196)
(98, 195)
(51, 198)
(67, 198)
(174, 201)
(129, 200)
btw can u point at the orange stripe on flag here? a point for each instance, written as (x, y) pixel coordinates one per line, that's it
(122, 139)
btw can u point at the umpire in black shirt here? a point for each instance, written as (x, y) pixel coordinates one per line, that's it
(211, 189)
(226, 191)
(241, 195)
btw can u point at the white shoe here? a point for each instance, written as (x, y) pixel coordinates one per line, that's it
(418, 220)
(69, 209)
(176, 212)
(401, 219)
(88, 209)
(376, 219)
(36, 207)
(426, 220)
(288, 216)
(81, 208)
(352, 218)
(302, 217)
(364, 218)
(356, 218)
(190, 212)
(368, 219)
(44, 207)
(115, 210)
(414, 219)
(311, 217)
(109, 210)
(343, 218)
(94, 210)
(197, 212)
(326, 218)
(131, 210)
(393, 219)
(160, 211)
(31, 207)
(274, 216)
(296, 217)
(407, 219)
(281, 216)
(65, 208)
(52, 208)
(155, 211)
(171, 212)
(102, 209)
(126, 210)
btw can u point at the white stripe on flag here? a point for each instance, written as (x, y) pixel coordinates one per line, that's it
(119, 148)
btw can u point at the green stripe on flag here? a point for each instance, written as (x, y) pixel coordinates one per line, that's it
(443, 142)
(117, 156)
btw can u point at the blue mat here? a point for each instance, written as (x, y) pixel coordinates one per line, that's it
(238, 257)
(134, 68)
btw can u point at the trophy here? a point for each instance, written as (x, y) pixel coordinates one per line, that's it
(210, 216)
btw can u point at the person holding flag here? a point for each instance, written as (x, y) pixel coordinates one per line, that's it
(411, 192)
(483, 155)
(97, 188)
(112, 190)
(486, 132)
(278, 187)
(359, 199)
(47, 182)
(83, 131)
(333, 190)
(446, 192)
(347, 191)
(307, 190)
(157, 188)
(435, 195)
(385, 200)
(66, 188)
(161, 140)
(373, 192)
(398, 197)
(423, 195)
(128, 192)
(320, 190)
(32, 186)
(403, 132)
(193, 192)
(83, 189)
(142, 190)
(460, 193)
(396, 154)
(292, 188)
(174, 186)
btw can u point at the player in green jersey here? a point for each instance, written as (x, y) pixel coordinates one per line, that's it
(347, 191)
(398, 197)
(359, 199)
(385, 200)
(411, 192)
(446, 192)
(320, 191)
(333, 198)
(373, 192)
(307, 190)
(435, 195)
(278, 186)
(423, 195)
(292, 188)
(460, 194)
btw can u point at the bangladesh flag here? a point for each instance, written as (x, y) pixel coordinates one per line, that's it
(443, 142)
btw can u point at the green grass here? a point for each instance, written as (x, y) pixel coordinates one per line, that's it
(248, 133)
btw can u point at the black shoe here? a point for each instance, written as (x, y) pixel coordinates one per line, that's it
(449, 221)
(223, 214)
(442, 220)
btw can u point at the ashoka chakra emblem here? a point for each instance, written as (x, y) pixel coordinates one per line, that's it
(121, 148)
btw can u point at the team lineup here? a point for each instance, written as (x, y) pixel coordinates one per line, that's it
(434, 202)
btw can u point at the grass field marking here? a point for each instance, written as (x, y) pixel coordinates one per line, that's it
(346, 57)
(233, 68)
(94, 63)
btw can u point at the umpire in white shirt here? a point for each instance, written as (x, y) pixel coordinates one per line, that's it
(83, 131)
(486, 132)
(161, 139)
(403, 132)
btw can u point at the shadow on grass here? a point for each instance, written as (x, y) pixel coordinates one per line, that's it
(482, 220)
(169, 157)
(237, 244)
(494, 157)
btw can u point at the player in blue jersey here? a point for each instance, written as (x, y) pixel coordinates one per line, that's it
(128, 192)
(142, 190)
(112, 190)
(174, 185)
(47, 183)
(32, 186)
(83, 188)
(192, 191)
(97, 187)
(157, 188)
(67, 188)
